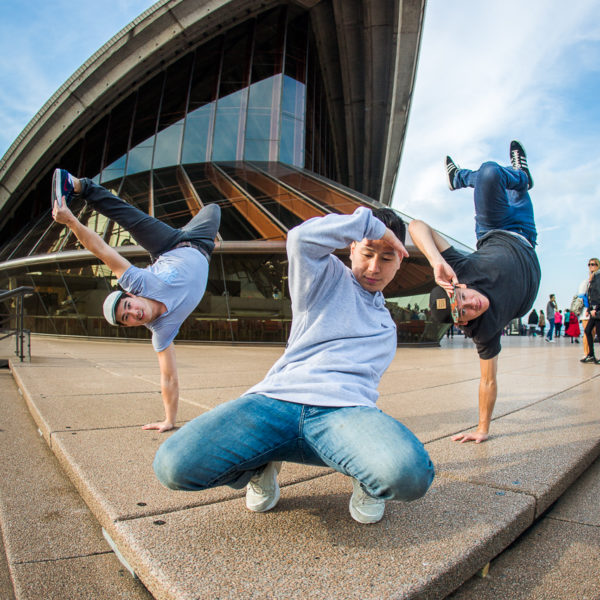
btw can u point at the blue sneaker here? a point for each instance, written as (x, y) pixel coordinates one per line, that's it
(62, 187)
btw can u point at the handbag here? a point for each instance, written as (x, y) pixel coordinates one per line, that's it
(576, 305)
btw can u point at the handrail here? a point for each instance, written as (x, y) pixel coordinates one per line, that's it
(22, 290)
(19, 333)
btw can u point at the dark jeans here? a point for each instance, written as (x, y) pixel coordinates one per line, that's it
(589, 336)
(150, 233)
(501, 199)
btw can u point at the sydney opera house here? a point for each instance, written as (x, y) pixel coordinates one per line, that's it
(277, 110)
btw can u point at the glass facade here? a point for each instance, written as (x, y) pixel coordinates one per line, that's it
(240, 121)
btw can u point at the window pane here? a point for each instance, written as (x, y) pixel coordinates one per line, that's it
(166, 152)
(293, 97)
(115, 170)
(227, 127)
(291, 150)
(140, 157)
(197, 128)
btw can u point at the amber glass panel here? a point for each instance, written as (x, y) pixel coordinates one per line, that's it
(243, 176)
(233, 225)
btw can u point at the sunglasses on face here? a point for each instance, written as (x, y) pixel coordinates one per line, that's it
(592, 264)
(454, 306)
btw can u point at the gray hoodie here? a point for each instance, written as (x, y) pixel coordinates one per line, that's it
(342, 337)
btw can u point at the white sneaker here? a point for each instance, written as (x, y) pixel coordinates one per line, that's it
(262, 492)
(363, 507)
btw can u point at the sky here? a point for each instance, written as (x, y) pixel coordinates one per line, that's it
(488, 72)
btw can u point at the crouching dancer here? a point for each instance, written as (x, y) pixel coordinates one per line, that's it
(162, 295)
(316, 405)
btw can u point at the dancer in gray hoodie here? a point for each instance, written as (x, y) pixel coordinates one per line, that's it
(316, 405)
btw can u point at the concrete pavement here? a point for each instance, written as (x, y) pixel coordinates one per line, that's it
(89, 399)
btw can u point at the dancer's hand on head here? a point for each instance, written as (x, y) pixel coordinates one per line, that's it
(445, 276)
(473, 436)
(161, 426)
(389, 237)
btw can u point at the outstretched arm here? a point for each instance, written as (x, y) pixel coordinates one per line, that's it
(431, 244)
(169, 387)
(91, 240)
(488, 391)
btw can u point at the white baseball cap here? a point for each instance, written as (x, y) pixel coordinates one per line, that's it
(110, 306)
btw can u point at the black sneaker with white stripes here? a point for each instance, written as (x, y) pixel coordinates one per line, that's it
(451, 170)
(518, 160)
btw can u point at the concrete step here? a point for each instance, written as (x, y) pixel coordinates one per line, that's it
(90, 398)
(53, 544)
(558, 557)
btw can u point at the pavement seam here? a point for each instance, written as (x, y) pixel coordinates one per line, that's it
(564, 520)
(60, 559)
(518, 410)
(214, 503)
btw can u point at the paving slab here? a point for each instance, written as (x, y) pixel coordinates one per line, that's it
(539, 450)
(97, 577)
(102, 411)
(54, 546)
(25, 472)
(439, 406)
(6, 585)
(555, 560)
(122, 485)
(310, 547)
(545, 432)
(559, 557)
(581, 502)
(74, 379)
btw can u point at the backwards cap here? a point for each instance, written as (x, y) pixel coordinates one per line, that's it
(110, 306)
(443, 309)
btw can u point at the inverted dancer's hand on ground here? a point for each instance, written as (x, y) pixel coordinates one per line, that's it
(161, 426)
(472, 436)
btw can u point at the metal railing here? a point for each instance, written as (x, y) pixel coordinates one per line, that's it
(5, 318)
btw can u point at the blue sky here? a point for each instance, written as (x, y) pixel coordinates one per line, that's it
(488, 72)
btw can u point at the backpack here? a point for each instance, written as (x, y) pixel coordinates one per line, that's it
(576, 305)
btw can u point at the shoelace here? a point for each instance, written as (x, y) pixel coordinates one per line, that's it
(451, 167)
(258, 489)
(518, 160)
(365, 498)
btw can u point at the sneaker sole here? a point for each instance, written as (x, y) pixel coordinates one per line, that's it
(362, 518)
(56, 191)
(272, 504)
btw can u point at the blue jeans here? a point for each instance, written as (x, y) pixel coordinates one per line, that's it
(501, 199)
(233, 442)
(150, 233)
(550, 328)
